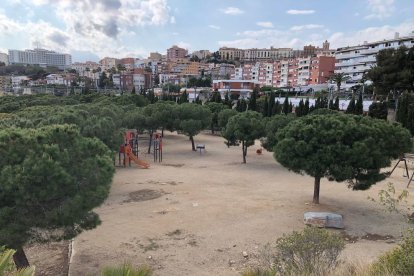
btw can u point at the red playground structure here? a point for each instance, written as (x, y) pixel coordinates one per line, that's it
(129, 151)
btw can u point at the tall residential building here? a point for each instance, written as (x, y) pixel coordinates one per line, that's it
(176, 52)
(4, 58)
(40, 57)
(201, 54)
(354, 61)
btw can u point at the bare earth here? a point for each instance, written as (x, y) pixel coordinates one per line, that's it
(195, 214)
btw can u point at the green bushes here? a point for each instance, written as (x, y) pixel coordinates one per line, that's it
(313, 251)
(399, 261)
(126, 270)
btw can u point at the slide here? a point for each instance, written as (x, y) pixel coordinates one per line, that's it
(137, 161)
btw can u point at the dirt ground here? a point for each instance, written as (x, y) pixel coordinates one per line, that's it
(195, 214)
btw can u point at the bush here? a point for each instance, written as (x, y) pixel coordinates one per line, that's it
(399, 261)
(312, 251)
(126, 270)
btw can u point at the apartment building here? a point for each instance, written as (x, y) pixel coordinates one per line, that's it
(4, 58)
(176, 52)
(354, 61)
(287, 72)
(155, 56)
(128, 63)
(239, 87)
(40, 57)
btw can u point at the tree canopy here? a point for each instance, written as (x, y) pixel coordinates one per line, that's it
(341, 148)
(244, 128)
(51, 179)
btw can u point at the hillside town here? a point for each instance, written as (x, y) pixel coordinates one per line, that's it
(230, 70)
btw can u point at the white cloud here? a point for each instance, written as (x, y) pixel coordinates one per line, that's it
(296, 12)
(94, 26)
(184, 45)
(232, 11)
(306, 27)
(286, 38)
(266, 24)
(214, 27)
(380, 9)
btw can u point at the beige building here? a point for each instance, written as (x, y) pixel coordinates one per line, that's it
(107, 63)
(4, 58)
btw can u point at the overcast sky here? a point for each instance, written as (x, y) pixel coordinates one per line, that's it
(93, 29)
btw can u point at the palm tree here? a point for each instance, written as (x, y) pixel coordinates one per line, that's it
(339, 78)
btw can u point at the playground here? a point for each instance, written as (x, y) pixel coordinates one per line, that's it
(197, 213)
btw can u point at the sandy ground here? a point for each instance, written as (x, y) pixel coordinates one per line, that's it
(195, 214)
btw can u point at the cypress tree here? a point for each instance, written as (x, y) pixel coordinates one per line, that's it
(227, 100)
(300, 108)
(243, 105)
(290, 107)
(184, 97)
(351, 107)
(331, 104)
(265, 107)
(286, 105)
(359, 108)
(253, 100)
(306, 108)
(271, 104)
(336, 104)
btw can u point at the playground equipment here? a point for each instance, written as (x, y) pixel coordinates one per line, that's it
(404, 159)
(129, 151)
(157, 147)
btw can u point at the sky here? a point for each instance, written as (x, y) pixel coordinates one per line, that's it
(93, 29)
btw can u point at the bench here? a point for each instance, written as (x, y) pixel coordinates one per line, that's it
(201, 147)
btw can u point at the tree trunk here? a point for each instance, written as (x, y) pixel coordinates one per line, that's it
(162, 133)
(244, 150)
(20, 259)
(192, 143)
(150, 142)
(316, 190)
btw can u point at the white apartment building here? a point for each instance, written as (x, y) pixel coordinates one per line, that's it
(303, 73)
(4, 58)
(40, 57)
(354, 61)
(201, 54)
(56, 79)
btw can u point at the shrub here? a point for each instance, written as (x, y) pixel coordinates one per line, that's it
(126, 270)
(399, 261)
(312, 251)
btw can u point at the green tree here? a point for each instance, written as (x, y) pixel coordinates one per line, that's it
(351, 107)
(339, 78)
(340, 147)
(359, 106)
(245, 128)
(184, 97)
(215, 109)
(51, 180)
(192, 119)
(378, 110)
(253, 101)
(272, 126)
(271, 104)
(299, 111)
(286, 105)
(393, 71)
(224, 116)
(336, 104)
